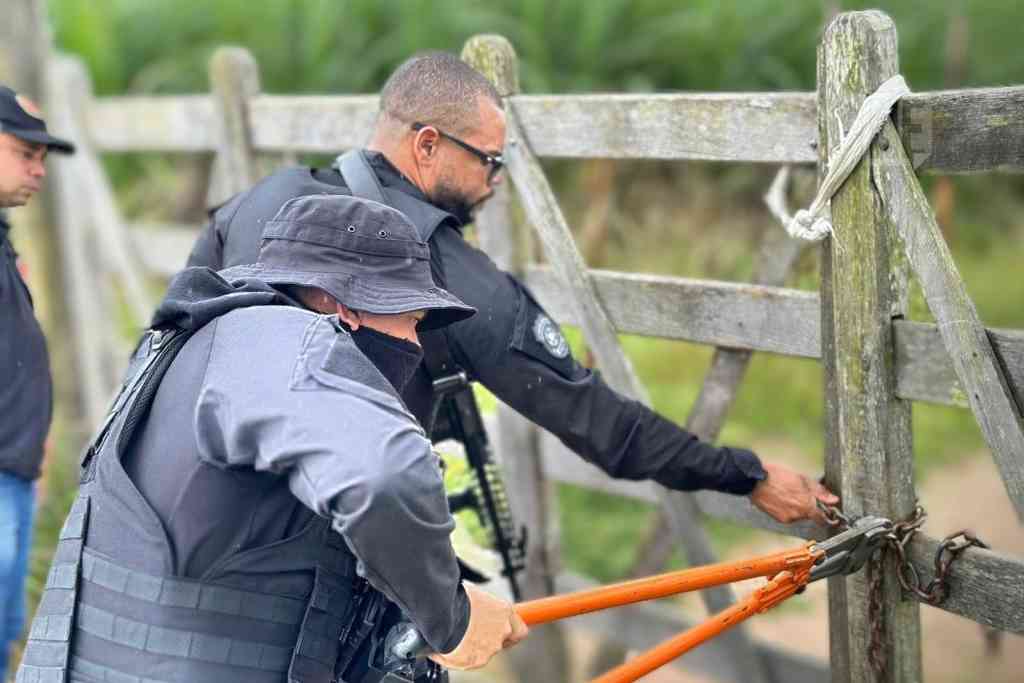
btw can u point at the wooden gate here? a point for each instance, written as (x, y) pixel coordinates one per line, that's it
(875, 360)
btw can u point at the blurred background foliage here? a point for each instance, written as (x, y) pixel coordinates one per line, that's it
(692, 219)
(345, 46)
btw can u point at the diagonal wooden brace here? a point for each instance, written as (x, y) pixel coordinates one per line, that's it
(977, 365)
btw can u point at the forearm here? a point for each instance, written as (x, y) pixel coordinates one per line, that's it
(622, 436)
(396, 522)
(629, 441)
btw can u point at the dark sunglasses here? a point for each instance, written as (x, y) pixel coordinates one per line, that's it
(495, 161)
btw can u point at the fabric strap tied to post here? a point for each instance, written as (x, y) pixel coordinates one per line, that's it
(814, 223)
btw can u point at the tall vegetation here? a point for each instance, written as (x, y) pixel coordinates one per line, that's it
(162, 46)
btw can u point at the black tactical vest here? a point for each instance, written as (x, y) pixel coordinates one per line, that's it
(263, 201)
(245, 221)
(291, 611)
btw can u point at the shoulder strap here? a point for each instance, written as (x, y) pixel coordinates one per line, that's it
(359, 176)
(137, 391)
(362, 181)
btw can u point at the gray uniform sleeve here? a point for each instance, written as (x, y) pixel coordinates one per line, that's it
(350, 452)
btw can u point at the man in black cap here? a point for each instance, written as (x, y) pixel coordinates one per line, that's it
(436, 156)
(25, 385)
(260, 499)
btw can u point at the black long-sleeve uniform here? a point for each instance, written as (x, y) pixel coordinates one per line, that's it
(26, 389)
(511, 346)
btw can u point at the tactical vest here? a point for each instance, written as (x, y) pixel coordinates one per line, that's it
(102, 620)
(266, 199)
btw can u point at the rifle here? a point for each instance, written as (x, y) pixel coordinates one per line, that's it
(486, 496)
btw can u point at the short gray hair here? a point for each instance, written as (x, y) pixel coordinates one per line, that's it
(439, 89)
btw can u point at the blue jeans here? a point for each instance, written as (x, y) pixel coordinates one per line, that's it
(16, 503)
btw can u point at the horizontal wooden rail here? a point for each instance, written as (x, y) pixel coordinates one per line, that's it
(964, 131)
(758, 127)
(162, 247)
(183, 123)
(955, 131)
(312, 123)
(774, 319)
(724, 314)
(924, 371)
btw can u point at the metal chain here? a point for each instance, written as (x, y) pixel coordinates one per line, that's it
(897, 539)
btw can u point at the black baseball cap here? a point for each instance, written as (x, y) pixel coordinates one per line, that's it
(20, 117)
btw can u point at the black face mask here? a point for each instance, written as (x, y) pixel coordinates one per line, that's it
(397, 359)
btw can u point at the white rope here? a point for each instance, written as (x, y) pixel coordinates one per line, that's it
(775, 197)
(815, 222)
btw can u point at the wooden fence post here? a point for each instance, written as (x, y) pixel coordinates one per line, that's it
(864, 288)
(88, 295)
(234, 79)
(544, 656)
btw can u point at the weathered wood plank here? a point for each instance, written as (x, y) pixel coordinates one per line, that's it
(667, 307)
(312, 123)
(652, 623)
(957, 131)
(69, 84)
(724, 314)
(924, 370)
(180, 123)
(863, 288)
(757, 127)
(235, 81)
(964, 131)
(163, 248)
(116, 252)
(985, 586)
(976, 364)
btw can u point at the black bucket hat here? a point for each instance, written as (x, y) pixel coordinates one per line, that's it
(366, 255)
(20, 117)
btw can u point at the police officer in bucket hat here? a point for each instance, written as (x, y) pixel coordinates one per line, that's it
(260, 505)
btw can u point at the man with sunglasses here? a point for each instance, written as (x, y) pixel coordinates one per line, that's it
(436, 155)
(26, 390)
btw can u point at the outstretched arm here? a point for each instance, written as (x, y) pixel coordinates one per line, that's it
(514, 348)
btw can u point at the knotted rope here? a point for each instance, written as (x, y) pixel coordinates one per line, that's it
(815, 223)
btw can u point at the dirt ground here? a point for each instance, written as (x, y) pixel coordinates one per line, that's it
(966, 495)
